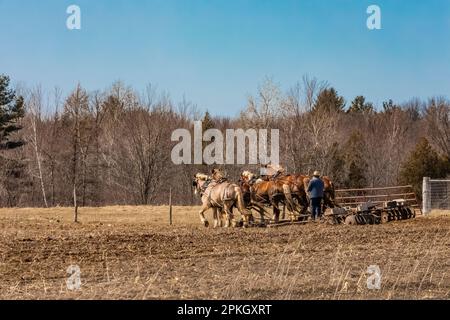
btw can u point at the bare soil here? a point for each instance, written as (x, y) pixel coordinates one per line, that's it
(132, 253)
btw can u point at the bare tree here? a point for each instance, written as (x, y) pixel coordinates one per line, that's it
(297, 125)
(53, 138)
(35, 107)
(437, 116)
(76, 107)
(114, 147)
(262, 110)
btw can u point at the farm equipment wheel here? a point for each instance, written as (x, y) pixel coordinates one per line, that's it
(350, 220)
(370, 219)
(410, 213)
(360, 219)
(336, 220)
(390, 215)
(384, 217)
(396, 214)
(330, 219)
(405, 213)
(400, 214)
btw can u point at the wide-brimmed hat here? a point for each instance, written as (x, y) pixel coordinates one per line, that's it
(316, 174)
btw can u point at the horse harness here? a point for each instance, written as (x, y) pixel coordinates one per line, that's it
(207, 184)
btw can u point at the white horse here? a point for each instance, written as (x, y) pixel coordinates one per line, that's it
(220, 196)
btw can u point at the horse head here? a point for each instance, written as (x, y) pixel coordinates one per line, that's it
(198, 181)
(247, 176)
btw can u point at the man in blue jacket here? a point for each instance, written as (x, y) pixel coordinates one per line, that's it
(315, 190)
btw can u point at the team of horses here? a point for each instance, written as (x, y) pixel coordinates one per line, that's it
(257, 193)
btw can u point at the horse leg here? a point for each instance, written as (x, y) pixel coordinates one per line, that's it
(221, 215)
(328, 202)
(261, 215)
(276, 214)
(276, 211)
(202, 215)
(299, 207)
(304, 205)
(260, 209)
(216, 218)
(231, 219)
(241, 206)
(227, 215)
(303, 212)
(245, 214)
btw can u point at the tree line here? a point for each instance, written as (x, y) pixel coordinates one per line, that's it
(113, 146)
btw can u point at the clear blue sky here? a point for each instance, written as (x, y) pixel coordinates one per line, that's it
(217, 51)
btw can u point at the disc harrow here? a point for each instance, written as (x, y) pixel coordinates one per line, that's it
(367, 213)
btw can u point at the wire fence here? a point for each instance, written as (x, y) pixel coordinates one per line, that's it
(436, 194)
(377, 196)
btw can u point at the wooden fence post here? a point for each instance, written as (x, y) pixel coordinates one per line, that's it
(75, 204)
(170, 206)
(426, 195)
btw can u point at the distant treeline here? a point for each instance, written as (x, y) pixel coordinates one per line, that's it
(114, 147)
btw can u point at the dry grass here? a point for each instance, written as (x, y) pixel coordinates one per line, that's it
(440, 213)
(155, 215)
(132, 253)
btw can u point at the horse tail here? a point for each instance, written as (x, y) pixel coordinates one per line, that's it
(332, 195)
(241, 205)
(288, 196)
(333, 190)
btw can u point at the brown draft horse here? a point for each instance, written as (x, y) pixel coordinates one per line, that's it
(259, 193)
(299, 186)
(298, 191)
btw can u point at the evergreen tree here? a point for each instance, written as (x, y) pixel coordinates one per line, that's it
(423, 161)
(207, 123)
(14, 179)
(337, 164)
(359, 105)
(11, 111)
(390, 106)
(328, 101)
(355, 163)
